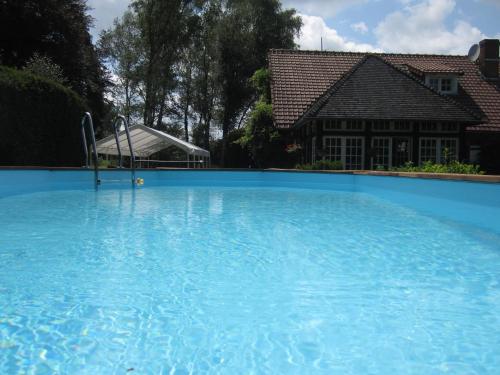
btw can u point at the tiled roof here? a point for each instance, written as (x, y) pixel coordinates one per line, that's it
(300, 78)
(363, 93)
(432, 67)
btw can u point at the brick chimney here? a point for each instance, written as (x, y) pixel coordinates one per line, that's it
(489, 57)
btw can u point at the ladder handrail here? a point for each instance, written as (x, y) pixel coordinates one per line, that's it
(87, 119)
(129, 141)
(116, 131)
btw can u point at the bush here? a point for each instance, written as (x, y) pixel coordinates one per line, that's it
(321, 165)
(39, 121)
(451, 167)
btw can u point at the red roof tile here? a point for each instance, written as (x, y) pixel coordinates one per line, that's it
(432, 67)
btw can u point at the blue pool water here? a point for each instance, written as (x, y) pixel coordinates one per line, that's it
(249, 275)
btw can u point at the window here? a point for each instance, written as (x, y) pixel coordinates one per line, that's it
(390, 151)
(438, 150)
(382, 152)
(451, 127)
(332, 125)
(447, 84)
(402, 126)
(388, 125)
(434, 83)
(381, 125)
(401, 151)
(333, 148)
(428, 150)
(355, 125)
(348, 150)
(353, 153)
(436, 127)
(428, 126)
(448, 150)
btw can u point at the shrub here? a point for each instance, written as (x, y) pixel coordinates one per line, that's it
(39, 121)
(44, 66)
(321, 165)
(451, 167)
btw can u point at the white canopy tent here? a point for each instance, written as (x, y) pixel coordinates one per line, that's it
(147, 141)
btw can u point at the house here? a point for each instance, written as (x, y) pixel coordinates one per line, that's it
(373, 111)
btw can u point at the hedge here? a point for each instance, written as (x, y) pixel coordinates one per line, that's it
(39, 121)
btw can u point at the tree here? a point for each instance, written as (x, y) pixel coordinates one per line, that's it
(205, 88)
(190, 62)
(121, 48)
(261, 138)
(248, 30)
(43, 66)
(59, 30)
(165, 27)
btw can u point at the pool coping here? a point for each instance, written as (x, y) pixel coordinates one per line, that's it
(422, 175)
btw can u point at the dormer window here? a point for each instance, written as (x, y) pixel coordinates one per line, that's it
(443, 84)
(434, 83)
(446, 85)
(438, 76)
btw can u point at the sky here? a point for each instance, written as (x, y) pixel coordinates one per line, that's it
(402, 26)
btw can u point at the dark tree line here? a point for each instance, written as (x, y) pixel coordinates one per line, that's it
(54, 33)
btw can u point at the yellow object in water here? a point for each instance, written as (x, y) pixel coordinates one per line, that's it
(139, 181)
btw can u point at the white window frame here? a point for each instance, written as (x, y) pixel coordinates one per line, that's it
(343, 126)
(439, 141)
(440, 78)
(343, 147)
(390, 151)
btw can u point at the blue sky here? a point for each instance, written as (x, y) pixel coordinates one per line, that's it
(412, 26)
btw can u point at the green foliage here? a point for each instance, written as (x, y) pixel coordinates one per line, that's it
(120, 47)
(430, 167)
(261, 138)
(59, 30)
(247, 30)
(45, 67)
(39, 121)
(321, 165)
(261, 83)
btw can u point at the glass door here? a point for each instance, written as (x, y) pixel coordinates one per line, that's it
(401, 151)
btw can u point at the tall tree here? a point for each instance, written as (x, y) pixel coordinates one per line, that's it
(165, 26)
(59, 30)
(248, 30)
(205, 87)
(121, 49)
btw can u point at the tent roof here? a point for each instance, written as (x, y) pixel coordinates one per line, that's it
(145, 142)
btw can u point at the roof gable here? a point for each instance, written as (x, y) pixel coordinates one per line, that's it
(299, 78)
(375, 89)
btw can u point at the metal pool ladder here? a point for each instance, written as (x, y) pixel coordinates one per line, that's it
(116, 129)
(87, 120)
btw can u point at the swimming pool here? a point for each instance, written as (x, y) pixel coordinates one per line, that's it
(248, 273)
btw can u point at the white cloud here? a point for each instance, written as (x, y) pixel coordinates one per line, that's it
(315, 27)
(421, 28)
(324, 8)
(360, 27)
